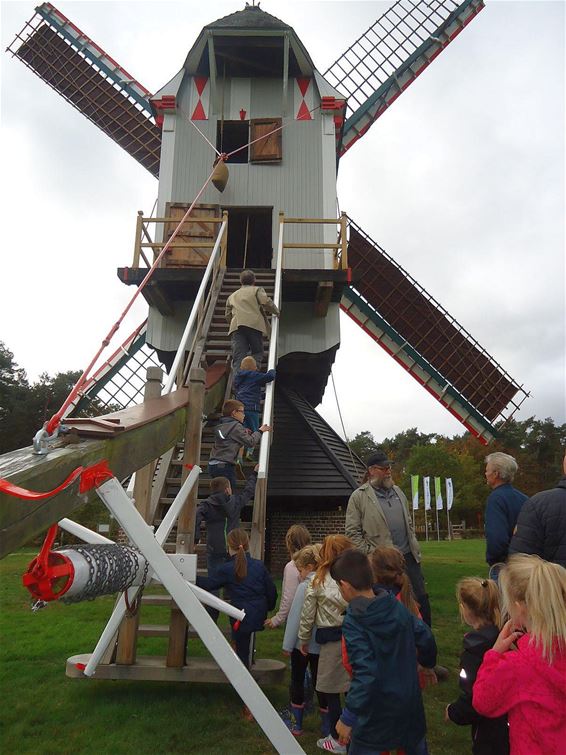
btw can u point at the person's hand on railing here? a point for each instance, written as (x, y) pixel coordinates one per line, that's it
(256, 468)
(265, 428)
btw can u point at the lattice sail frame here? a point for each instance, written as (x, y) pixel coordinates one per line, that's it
(91, 81)
(390, 55)
(120, 382)
(426, 340)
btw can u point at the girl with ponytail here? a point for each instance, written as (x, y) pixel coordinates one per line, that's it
(524, 675)
(478, 602)
(249, 586)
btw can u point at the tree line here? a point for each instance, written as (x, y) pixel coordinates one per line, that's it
(537, 445)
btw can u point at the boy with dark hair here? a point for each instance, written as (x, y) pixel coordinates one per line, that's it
(229, 436)
(384, 709)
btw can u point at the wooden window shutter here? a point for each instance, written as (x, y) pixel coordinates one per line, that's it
(268, 149)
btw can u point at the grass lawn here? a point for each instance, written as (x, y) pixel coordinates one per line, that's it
(45, 712)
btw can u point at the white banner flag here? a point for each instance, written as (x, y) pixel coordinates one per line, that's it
(426, 485)
(415, 491)
(438, 494)
(449, 493)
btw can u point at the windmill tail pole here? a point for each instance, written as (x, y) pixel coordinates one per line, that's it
(101, 567)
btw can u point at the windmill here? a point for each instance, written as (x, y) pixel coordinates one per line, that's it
(224, 95)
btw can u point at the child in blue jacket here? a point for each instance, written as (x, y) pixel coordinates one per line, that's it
(384, 709)
(250, 588)
(248, 383)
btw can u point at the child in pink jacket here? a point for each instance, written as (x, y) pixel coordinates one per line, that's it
(524, 675)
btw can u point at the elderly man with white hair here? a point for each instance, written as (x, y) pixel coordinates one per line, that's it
(503, 506)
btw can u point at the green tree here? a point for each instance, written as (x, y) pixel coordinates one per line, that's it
(400, 447)
(14, 391)
(363, 444)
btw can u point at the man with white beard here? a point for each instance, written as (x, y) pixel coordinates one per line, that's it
(378, 514)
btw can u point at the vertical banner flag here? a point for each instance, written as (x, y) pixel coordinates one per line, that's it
(415, 491)
(438, 493)
(426, 485)
(449, 493)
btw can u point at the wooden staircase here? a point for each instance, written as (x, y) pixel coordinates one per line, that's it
(124, 662)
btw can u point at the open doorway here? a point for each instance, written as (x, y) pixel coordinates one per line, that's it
(249, 237)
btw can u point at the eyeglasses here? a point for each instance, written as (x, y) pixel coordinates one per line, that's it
(381, 469)
(239, 411)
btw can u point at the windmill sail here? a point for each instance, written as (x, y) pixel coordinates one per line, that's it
(390, 55)
(415, 329)
(87, 77)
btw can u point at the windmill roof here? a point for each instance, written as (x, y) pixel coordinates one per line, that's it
(252, 17)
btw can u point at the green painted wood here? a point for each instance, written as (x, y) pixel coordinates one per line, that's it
(20, 520)
(126, 452)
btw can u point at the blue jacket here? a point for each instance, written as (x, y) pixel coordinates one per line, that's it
(501, 513)
(248, 385)
(291, 637)
(256, 594)
(384, 704)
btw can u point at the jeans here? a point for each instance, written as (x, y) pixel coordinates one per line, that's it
(223, 469)
(246, 341)
(243, 646)
(251, 421)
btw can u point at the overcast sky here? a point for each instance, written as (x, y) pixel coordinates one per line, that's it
(461, 181)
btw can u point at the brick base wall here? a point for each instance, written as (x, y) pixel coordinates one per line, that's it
(319, 524)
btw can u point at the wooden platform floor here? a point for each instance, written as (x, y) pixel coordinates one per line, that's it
(265, 671)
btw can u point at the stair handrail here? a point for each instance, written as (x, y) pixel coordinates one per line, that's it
(192, 322)
(257, 542)
(272, 357)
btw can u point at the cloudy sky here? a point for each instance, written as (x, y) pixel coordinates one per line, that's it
(461, 181)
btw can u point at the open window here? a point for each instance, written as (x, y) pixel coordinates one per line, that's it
(231, 135)
(265, 133)
(269, 147)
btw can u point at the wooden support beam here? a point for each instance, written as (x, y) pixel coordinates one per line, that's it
(323, 297)
(126, 649)
(186, 521)
(153, 294)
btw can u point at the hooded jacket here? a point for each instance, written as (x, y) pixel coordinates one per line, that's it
(532, 693)
(247, 387)
(256, 594)
(490, 736)
(229, 436)
(384, 703)
(541, 526)
(222, 515)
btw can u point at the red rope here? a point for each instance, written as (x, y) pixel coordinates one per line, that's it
(30, 495)
(55, 420)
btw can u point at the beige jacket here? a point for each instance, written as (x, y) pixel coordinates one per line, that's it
(243, 308)
(323, 606)
(366, 524)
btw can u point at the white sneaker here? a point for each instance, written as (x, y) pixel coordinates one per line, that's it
(330, 744)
